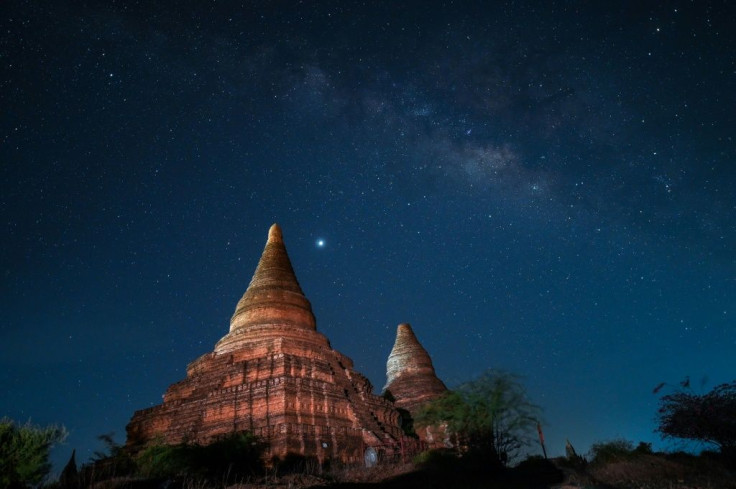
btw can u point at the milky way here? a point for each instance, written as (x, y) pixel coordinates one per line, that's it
(541, 187)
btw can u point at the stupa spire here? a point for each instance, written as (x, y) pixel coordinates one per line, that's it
(273, 273)
(411, 378)
(273, 300)
(274, 234)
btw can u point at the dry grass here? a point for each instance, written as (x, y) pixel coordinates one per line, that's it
(645, 468)
(371, 475)
(643, 471)
(664, 472)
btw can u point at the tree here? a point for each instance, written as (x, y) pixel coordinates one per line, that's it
(112, 461)
(491, 414)
(24, 453)
(709, 418)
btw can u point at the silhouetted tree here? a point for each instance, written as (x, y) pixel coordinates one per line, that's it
(112, 461)
(709, 418)
(24, 453)
(490, 414)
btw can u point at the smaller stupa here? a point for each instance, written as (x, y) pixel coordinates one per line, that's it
(411, 380)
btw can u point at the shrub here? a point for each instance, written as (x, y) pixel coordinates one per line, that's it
(436, 459)
(164, 461)
(643, 448)
(24, 453)
(113, 461)
(230, 458)
(611, 451)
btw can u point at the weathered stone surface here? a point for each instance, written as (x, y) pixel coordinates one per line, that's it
(274, 375)
(411, 378)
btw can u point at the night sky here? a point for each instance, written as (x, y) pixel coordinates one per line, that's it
(542, 187)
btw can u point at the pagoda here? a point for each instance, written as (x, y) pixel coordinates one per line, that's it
(274, 375)
(412, 382)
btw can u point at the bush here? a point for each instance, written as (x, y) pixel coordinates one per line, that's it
(113, 461)
(618, 450)
(231, 458)
(611, 451)
(436, 459)
(643, 448)
(164, 461)
(24, 453)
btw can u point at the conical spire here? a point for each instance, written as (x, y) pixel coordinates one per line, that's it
(411, 378)
(274, 304)
(274, 295)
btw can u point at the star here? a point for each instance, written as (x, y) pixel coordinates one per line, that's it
(448, 176)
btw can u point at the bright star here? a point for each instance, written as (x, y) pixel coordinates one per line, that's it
(320, 243)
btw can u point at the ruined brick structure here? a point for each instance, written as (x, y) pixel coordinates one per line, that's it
(276, 376)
